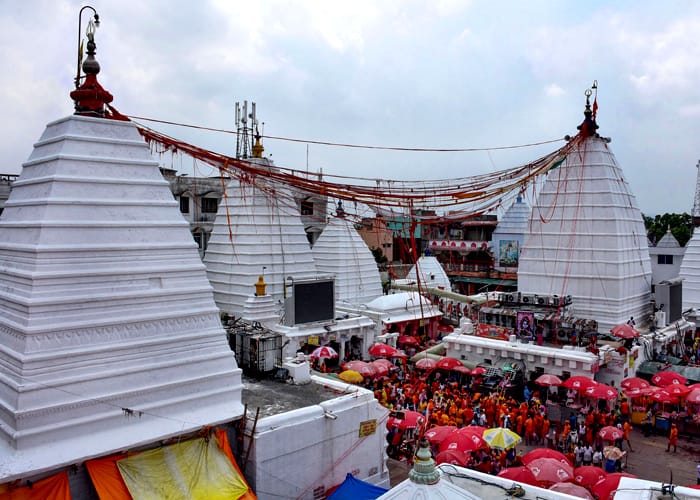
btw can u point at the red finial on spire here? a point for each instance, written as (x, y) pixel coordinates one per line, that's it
(90, 98)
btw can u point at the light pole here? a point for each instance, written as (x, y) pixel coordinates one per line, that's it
(91, 31)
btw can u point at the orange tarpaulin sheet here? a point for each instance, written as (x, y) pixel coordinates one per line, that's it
(52, 488)
(106, 478)
(222, 441)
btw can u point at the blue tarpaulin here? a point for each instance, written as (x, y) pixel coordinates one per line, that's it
(355, 489)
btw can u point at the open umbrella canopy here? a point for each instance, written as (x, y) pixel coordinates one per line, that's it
(404, 419)
(613, 453)
(382, 350)
(474, 429)
(454, 457)
(572, 489)
(323, 352)
(448, 363)
(408, 340)
(479, 370)
(692, 387)
(603, 488)
(548, 380)
(385, 362)
(351, 376)
(436, 434)
(663, 396)
(520, 474)
(677, 390)
(601, 391)
(588, 475)
(462, 369)
(362, 367)
(624, 331)
(462, 441)
(664, 378)
(634, 383)
(579, 383)
(426, 364)
(693, 396)
(501, 438)
(546, 453)
(550, 470)
(380, 370)
(610, 433)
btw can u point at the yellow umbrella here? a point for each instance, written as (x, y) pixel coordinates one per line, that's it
(501, 438)
(351, 376)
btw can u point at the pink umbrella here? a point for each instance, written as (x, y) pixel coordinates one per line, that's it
(610, 433)
(448, 363)
(435, 435)
(572, 489)
(405, 419)
(462, 441)
(635, 383)
(520, 474)
(362, 367)
(382, 350)
(693, 396)
(603, 488)
(380, 370)
(323, 352)
(408, 340)
(426, 364)
(548, 380)
(545, 453)
(579, 383)
(624, 331)
(588, 475)
(550, 470)
(454, 457)
(601, 391)
(662, 379)
(386, 363)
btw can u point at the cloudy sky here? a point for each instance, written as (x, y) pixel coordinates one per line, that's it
(433, 74)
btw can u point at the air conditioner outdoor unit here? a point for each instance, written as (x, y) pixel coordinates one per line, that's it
(541, 300)
(526, 299)
(512, 297)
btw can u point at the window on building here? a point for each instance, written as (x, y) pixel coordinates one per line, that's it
(665, 259)
(209, 205)
(307, 207)
(185, 204)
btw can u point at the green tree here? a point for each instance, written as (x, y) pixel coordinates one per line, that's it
(680, 224)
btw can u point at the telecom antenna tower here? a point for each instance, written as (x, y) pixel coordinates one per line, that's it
(246, 127)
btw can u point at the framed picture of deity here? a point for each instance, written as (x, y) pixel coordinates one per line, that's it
(525, 322)
(508, 253)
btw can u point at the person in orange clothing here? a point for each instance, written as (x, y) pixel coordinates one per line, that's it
(673, 438)
(528, 430)
(626, 428)
(625, 410)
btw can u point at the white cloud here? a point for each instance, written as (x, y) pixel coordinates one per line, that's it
(554, 90)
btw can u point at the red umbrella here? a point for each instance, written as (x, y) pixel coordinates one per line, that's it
(662, 379)
(408, 340)
(603, 488)
(588, 475)
(380, 370)
(362, 367)
(664, 397)
(463, 441)
(692, 387)
(462, 369)
(454, 457)
(445, 328)
(479, 370)
(382, 350)
(545, 453)
(610, 433)
(386, 363)
(474, 429)
(601, 391)
(550, 470)
(624, 331)
(693, 396)
(448, 363)
(323, 352)
(572, 489)
(426, 364)
(405, 419)
(436, 434)
(677, 390)
(579, 383)
(635, 383)
(520, 474)
(548, 380)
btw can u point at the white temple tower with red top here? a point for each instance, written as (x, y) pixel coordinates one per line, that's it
(109, 335)
(588, 238)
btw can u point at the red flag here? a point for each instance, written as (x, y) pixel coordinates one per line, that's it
(595, 106)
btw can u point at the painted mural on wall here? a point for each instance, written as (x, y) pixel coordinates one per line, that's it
(508, 253)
